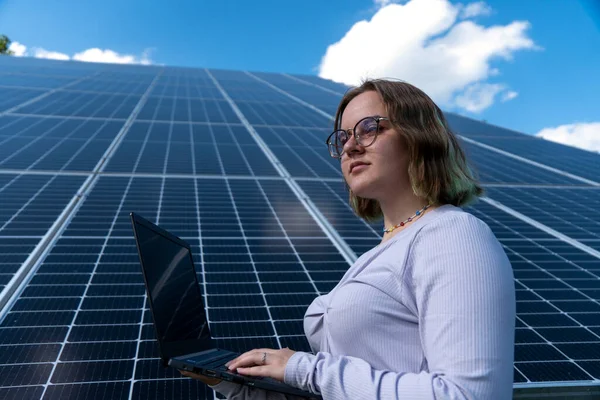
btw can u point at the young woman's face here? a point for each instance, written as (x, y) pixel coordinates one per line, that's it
(381, 169)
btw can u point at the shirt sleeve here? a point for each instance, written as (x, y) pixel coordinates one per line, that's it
(461, 286)
(235, 391)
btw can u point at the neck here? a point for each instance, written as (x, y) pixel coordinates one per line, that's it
(399, 208)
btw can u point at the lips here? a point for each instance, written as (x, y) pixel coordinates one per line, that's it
(356, 164)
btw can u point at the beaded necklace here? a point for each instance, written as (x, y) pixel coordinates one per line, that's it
(406, 221)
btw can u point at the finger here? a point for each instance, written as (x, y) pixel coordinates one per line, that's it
(254, 371)
(248, 360)
(251, 352)
(243, 356)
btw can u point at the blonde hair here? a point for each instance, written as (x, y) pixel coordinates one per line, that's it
(438, 169)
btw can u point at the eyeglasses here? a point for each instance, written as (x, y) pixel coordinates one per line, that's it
(365, 132)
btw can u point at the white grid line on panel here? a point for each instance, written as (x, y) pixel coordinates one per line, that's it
(308, 147)
(571, 241)
(558, 311)
(40, 158)
(312, 282)
(300, 101)
(28, 268)
(46, 94)
(469, 140)
(245, 239)
(9, 183)
(60, 224)
(32, 198)
(79, 150)
(349, 208)
(329, 231)
(197, 200)
(530, 162)
(133, 380)
(92, 274)
(542, 227)
(256, 177)
(268, 202)
(84, 91)
(83, 296)
(312, 84)
(496, 168)
(567, 222)
(71, 117)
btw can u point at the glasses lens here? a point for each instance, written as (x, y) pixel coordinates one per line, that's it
(366, 131)
(337, 141)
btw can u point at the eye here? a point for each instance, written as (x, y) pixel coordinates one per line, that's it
(367, 127)
(341, 137)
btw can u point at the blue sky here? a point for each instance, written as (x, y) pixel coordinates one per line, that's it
(545, 75)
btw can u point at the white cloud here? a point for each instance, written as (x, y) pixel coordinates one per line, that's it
(509, 95)
(19, 49)
(475, 9)
(111, 56)
(89, 55)
(424, 43)
(478, 96)
(382, 3)
(53, 55)
(582, 135)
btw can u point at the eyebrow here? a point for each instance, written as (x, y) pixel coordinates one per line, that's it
(360, 119)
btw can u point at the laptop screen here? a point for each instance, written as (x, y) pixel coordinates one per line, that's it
(177, 305)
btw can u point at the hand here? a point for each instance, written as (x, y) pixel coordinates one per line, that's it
(206, 379)
(262, 362)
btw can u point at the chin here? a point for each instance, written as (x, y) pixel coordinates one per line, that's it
(362, 189)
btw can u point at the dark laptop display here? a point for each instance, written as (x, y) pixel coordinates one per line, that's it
(178, 311)
(173, 290)
(176, 299)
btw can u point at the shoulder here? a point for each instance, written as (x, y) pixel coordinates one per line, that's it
(456, 241)
(453, 226)
(454, 217)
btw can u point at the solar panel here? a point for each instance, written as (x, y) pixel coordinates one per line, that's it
(235, 163)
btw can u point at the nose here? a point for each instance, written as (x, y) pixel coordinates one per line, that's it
(352, 146)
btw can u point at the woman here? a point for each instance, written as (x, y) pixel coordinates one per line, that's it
(429, 313)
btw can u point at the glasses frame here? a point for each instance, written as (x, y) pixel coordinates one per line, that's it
(352, 132)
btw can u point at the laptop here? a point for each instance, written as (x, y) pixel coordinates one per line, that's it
(177, 308)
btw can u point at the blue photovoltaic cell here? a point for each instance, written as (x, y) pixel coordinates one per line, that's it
(190, 149)
(325, 83)
(30, 65)
(11, 97)
(82, 104)
(186, 83)
(34, 81)
(325, 100)
(111, 86)
(31, 203)
(478, 129)
(13, 252)
(301, 150)
(332, 200)
(496, 168)
(575, 212)
(37, 143)
(282, 115)
(579, 162)
(81, 327)
(256, 240)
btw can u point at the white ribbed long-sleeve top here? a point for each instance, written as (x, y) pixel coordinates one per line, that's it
(428, 314)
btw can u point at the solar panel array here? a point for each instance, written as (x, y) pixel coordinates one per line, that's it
(235, 164)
